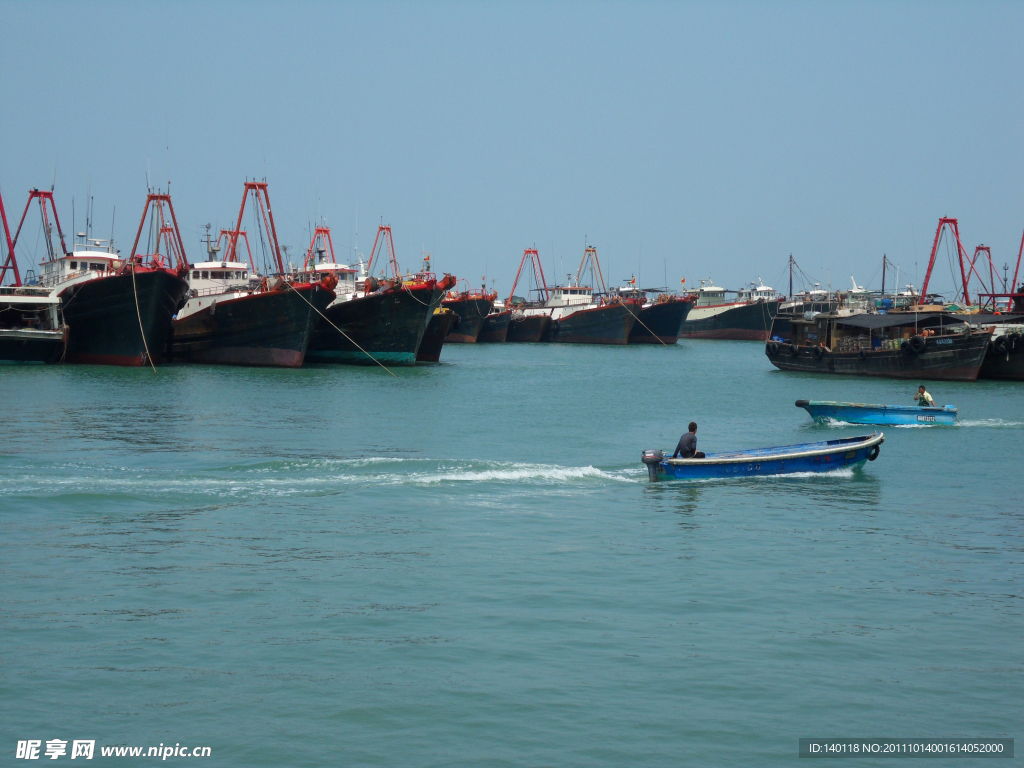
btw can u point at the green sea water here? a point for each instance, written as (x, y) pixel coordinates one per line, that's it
(465, 564)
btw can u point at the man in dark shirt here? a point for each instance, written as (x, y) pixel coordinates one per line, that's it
(687, 448)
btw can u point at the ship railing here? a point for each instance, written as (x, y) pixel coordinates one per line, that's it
(232, 288)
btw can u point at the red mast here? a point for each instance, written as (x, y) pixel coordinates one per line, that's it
(321, 242)
(163, 232)
(590, 260)
(43, 197)
(9, 262)
(385, 230)
(961, 254)
(538, 274)
(262, 201)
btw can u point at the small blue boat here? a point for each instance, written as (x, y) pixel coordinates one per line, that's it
(825, 456)
(824, 411)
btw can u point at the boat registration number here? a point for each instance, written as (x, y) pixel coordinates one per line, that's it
(943, 341)
(926, 418)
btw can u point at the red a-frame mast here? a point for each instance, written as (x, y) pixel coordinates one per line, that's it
(261, 199)
(321, 242)
(538, 274)
(163, 233)
(10, 262)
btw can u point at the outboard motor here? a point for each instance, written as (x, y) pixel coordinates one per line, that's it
(652, 459)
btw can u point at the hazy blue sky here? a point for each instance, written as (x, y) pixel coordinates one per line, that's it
(708, 139)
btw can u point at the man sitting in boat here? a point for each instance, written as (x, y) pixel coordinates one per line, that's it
(687, 448)
(923, 398)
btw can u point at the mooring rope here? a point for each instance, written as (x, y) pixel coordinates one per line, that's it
(138, 314)
(378, 362)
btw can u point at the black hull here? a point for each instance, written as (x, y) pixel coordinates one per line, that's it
(434, 338)
(495, 328)
(610, 324)
(744, 322)
(528, 330)
(943, 359)
(103, 320)
(1008, 366)
(389, 326)
(660, 323)
(472, 314)
(263, 329)
(28, 346)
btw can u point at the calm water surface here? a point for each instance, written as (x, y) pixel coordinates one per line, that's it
(465, 565)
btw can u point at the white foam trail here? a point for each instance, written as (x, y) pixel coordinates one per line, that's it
(518, 473)
(996, 423)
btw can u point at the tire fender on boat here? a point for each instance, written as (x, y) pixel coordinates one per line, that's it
(1001, 344)
(873, 453)
(863, 354)
(818, 352)
(794, 349)
(917, 344)
(905, 346)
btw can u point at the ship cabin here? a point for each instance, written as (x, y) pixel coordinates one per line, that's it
(208, 278)
(710, 295)
(756, 292)
(348, 277)
(869, 332)
(28, 306)
(570, 295)
(90, 258)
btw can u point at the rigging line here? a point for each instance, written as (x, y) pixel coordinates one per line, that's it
(138, 314)
(648, 329)
(378, 362)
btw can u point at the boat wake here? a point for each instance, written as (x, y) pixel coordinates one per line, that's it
(294, 478)
(992, 423)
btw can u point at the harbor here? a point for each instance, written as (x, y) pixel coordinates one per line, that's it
(516, 385)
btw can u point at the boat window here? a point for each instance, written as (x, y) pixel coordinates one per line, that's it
(74, 265)
(206, 275)
(195, 275)
(218, 275)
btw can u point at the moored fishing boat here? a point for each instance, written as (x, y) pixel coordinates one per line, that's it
(825, 411)
(920, 345)
(578, 315)
(376, 320)
(527, 329)
(472, 308)
(118, 312)
(235, 316)
(749, 317)
(437, 333)
(31, 328)
(659, 319)
(825, 456)
(495, 328)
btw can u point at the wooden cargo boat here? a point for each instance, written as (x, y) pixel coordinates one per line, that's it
(920, 345)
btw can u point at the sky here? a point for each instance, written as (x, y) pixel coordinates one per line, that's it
(696, 140)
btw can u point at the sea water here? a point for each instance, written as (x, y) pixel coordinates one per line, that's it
(464, 564)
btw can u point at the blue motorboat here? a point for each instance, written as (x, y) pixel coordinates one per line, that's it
(823, 411)
(825, 456)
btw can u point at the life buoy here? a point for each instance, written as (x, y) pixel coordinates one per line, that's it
(873, 453)
(794, 350)
(917, 344)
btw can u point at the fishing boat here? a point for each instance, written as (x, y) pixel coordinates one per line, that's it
(117, 311)
(748, 317)
(825, 456)
(31, 328)
(376, 319)
(579, 315)
(659, 314)
(495, 327)
(438, 332)
(825, 411)
(472, 308)
(236, 316)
